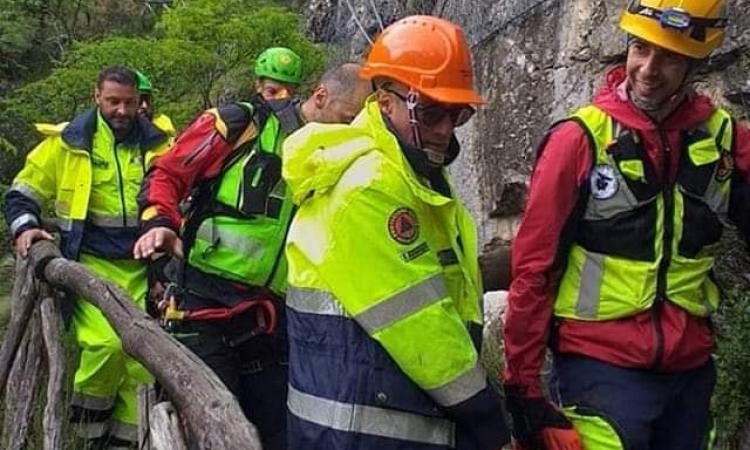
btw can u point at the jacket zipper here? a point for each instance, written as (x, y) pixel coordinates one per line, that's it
(122, 189)
(668, 236)
(280, 252)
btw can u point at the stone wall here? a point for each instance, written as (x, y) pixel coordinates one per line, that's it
(534, 61)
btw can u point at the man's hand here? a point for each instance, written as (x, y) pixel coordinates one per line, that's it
(530, 417)
(158, 239)
(28, 237)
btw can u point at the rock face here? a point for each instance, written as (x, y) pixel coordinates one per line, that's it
(534, 61)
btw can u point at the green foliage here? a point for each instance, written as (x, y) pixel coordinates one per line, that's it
(199, 55)
(172, 65)
(4, 233)
(6, 266)
(36, 33)
(731, 403)
(16, 36)
(235, 32)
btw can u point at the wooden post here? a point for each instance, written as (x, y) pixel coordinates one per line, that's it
(146, 401)
(22, 304)
(165, 428)
(54, 418)
(23, 382)
(494, 265)
(214, 418)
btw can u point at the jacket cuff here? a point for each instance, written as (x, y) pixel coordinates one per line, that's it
(25, 221)
(158, 221)
(526, 387)
(481, 421)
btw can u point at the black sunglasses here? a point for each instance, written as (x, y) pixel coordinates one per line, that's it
(431, 114)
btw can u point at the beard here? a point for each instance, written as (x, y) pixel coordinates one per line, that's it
(120, 124)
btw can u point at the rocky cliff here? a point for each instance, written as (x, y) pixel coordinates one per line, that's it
(534, 60)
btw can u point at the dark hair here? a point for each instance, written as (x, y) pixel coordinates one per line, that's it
(342, 79)
(118, 74)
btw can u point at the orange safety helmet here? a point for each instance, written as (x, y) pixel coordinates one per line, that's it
(689, 27)
(428, 54)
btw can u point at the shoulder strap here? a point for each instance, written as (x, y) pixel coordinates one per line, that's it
(203, 195)
(570, 229)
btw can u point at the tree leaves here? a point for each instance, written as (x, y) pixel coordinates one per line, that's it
(196, 55)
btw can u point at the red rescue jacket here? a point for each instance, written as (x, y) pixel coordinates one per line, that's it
(563, 166)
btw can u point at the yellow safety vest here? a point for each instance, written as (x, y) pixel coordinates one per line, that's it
(639, 240)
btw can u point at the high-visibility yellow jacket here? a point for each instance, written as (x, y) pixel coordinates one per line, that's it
(60, 170)
(383, 292)
(164, 123)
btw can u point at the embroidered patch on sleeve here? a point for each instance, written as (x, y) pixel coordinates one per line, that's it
(403, 226)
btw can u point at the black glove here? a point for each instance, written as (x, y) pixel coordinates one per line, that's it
(530, 416)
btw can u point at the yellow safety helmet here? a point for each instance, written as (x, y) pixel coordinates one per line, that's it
(689, 27)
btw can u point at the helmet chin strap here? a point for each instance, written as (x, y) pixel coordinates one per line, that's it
(412, 100)
(433, 157)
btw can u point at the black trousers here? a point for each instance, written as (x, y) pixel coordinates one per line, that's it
(253, 366)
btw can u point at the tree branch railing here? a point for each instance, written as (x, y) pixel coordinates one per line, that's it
(209, 415)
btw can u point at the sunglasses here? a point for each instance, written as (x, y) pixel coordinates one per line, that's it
(431, 114)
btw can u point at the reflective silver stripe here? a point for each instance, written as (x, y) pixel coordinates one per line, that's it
(617, 128)
(91, 430)
(63, 224)
(217, 235)
(462, 388)
(91, 402)
(124, 431)
(112, 221)
(28, 191)
(22, 220)
(363, 419)
(716, 199)
(589, 291)
(313, 301)
(403, 304)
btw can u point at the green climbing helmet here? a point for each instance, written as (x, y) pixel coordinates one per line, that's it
(144, 84)
(280, 64)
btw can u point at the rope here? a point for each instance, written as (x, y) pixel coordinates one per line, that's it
(504, 25)
(359, 24)
(377, 15)
(442, 8)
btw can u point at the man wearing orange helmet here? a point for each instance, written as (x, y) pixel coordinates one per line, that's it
(612, 262)
(383, 297)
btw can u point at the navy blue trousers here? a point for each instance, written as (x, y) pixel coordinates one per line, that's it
(647, 409)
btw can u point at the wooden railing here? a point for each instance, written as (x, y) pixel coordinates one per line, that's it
(201, 413)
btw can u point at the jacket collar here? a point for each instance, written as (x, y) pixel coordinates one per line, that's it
(694, 109)
(419, 162)
(316, 156)
(80, 132)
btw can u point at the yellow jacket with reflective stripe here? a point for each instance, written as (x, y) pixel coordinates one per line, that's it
(372, 243)
(60, 168)
(638, 240)
(349, 181)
